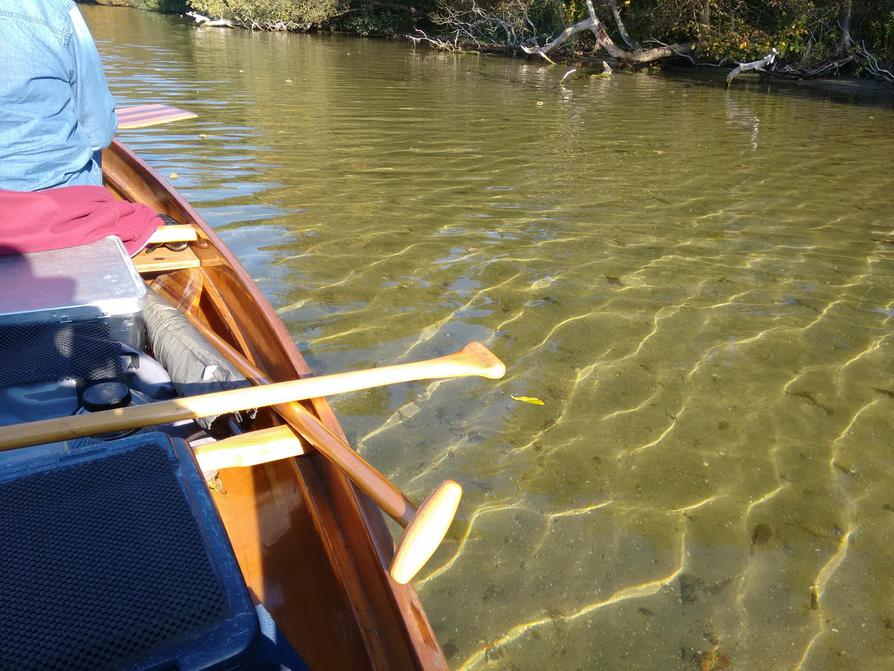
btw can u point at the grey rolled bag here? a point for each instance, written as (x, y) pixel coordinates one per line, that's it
(192, 362)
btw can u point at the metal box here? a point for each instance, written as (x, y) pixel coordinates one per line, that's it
(64, 313)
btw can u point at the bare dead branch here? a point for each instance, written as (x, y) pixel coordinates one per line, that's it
(208, 22)
(616, 13)
(567, 74)
(560, 39)
(675, 49)
(433, 41)
(513, 28)
(872, 64)
(638, 56)
(760, 66)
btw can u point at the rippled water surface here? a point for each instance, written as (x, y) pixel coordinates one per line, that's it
(697, 283)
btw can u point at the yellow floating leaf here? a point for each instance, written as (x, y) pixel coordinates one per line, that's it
(533, 400)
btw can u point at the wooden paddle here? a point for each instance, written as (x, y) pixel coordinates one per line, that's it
(143, 116)
(473, 359)
(424, 527)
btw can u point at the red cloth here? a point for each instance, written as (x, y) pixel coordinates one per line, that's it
(69, 216)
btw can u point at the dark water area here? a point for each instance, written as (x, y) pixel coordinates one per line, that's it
(695, 281)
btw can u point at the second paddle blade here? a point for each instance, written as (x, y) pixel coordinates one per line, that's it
(142, 116)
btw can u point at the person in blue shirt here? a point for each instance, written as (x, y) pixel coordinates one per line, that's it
(56, 111)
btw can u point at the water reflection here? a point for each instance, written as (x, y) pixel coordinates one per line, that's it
(741, 116)
(695, 281)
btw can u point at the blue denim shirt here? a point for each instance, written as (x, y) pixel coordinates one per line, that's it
(56, 111)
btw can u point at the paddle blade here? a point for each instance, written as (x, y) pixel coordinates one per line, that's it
(426, 531)
(142, 116)
(485, 361)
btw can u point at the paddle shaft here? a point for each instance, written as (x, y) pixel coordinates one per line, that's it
(222, 402)
(391, 499)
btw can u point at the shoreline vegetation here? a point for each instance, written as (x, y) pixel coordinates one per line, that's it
(794, 39)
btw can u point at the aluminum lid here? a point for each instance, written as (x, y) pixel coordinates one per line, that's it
(92, 281)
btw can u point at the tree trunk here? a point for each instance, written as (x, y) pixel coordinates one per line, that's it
(844, 20)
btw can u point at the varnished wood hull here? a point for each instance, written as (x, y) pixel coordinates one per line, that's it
(311, 546)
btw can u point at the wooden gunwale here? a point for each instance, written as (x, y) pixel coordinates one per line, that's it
(288, 518)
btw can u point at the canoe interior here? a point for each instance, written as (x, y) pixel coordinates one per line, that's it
(311, 546)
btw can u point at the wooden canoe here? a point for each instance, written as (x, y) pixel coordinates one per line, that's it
(312, 547)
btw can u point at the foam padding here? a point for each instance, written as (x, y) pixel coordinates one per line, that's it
(115, 558)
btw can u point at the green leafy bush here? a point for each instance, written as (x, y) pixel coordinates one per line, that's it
(269, 13)
(382, 17)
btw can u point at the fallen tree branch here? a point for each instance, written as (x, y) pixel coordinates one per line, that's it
(857, 54)
(760, 66)
(559, 40)
(645, 56)
(205, 21)
(438, 43)
(828, 67)
(637, 57)
(872, 64)
(674, 49)
(605, 42)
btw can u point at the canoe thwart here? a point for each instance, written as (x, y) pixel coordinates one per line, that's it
(249, 449)
(165, 235)
(162, 259)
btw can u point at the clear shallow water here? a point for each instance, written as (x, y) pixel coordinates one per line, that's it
(696, 282)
